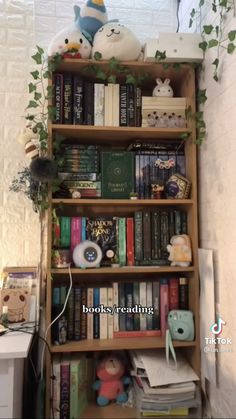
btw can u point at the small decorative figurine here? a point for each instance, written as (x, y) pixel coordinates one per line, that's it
(157, 190)
(177, 186)
(110, 385)
(133, 195)
(163, 89)
(180, 250)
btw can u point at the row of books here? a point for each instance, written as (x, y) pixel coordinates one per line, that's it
(71, 385)
(138, 240)
(130, 309)
(78, 101)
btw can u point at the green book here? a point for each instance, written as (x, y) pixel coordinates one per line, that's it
(117, 169)
(78, 393)
(65, 231)
(122, 240)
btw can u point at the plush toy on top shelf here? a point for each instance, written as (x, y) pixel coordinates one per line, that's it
(90, 17)
(110, 385)
(118, 41)
(163, 89)
(70, 43)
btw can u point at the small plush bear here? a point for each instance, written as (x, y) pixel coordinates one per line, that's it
(180, 250)
(163, 89)
(110, 385)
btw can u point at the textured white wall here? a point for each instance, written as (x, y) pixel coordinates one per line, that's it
(217, 184)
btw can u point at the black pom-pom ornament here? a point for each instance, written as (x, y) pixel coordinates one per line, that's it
(43, 169)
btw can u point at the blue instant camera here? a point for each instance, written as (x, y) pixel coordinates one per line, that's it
(181, 325)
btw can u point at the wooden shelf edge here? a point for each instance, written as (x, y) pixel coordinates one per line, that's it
(118, 344)
(96, 128)
(124, 270)
(121, 202)
(113, 410)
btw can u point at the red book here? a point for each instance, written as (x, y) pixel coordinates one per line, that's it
(65, 390)
(76, 231)
(137, 334)
(164, 297)
(174, 294)
(130, 241)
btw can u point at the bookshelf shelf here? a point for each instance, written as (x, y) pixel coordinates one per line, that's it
(125, 270)
(122, 202)
(118, 344)
(113, 410)
(116, 135)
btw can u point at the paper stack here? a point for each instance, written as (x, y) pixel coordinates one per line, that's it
(162, 390)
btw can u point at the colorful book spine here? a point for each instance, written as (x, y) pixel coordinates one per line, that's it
(122, 241)
(129, 304)
(110, 315)
(138, 236)
(83, 314)
(96, 318)
(83, 228)
(58, 98)
(78, 111)
(156, 305)
(136, 302)
(173, 293)
(103, 316)
(68, 99)
(65, 232)
(164, 297)
(76, 231)
(183, 294)
(90, 315)
(149, 304)
(65, 390)
(137, 334)
(56, 387)
(130, 241)
(74, 386)
(116, 304)
(77, 314)
(143, 303)
(123, 105)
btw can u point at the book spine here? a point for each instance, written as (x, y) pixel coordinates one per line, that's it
(68, 99)
(78, 117)
(111, 104)
(156, 235)
(96, 318)
(138, 107)
(75, 232)
(78, 176)
(130, 241)
(122, 241)
(141, 176)
(171, 224)
(65, 392)
(83, 228)
(156, 305)
(129, 304)
(110, 315)
(138, 236)
(184, 222)
(164, 297)
(116, 304)
(173, 293)
(56, 390)
(56, 233)
(183, 294)
(74, 386)
(103, 316)
(83, 315)
(89, 103)
(90, 315)
(122, 319)
(149, 305)
(143, 303)
(99, 91)
(65, 231)
(77, 314)
(58, 98)
(130, 105)
(123, 105)
(137, 334)
(137, 178)
(136, 302)
(116, 103)
(164, 234)
(146, 235)
(177, 222)
(71, 309)
(146, 175)
(106, 106)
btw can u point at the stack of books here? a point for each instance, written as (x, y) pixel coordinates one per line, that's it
(160, 390)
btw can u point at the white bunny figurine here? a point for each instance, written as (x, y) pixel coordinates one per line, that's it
(163, 89)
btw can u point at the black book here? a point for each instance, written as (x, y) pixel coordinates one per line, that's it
(130, 105)
(156, 235)
(138, 107)
(88, 103)
(78, 111)
(58, 98)
(123, 105)
(68, 99)
(146, 235)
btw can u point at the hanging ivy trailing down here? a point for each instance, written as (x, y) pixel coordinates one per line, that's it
(215, 36)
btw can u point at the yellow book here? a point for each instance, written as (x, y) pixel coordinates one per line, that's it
(178, 411)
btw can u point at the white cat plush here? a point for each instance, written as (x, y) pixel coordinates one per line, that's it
(71, 43)
(116, 40)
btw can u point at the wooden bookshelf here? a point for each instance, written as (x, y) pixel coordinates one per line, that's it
(183, 83)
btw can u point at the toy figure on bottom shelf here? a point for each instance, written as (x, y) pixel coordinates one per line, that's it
(111, 381)
(180, 250)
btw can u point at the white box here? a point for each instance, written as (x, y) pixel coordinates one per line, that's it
(179, 47)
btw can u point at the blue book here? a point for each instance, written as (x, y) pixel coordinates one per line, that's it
(96, 301)
(83, 229)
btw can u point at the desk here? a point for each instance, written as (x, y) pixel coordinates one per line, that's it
(14, 347)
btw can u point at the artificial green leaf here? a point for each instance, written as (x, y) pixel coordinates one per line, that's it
(39, 126)
(47, 74)
(184, 136)
(214, 8)
(208, 29)
(201, 3)
(190, 23)
(50, 91)
(216, 62)
(37, 96)
(165, 66)
(201, 96)
(43, 135)
(230, 48)
(232, 35)
(160, 55)
(32, 87)
(51, 112)
(30, 117)
(215, 77)
(40, 50)
(223, 3)
(37, 58)
(35, 74)
(213, 43)
(101, 74)
(192, 14)
(113, 64)
(32, 104)
(97, 56)
(177, 66)
(217, 30)
(130, 79)
(203, 45)
(112, 79)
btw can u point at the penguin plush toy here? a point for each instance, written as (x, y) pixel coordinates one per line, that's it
(90, 17)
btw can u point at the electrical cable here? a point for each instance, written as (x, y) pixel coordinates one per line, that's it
(50, 325)
(177, 15)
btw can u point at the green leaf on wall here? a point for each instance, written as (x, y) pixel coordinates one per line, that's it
(213, 43)
(232, 35)
(208, 29)
(32, 104)
(230, 48)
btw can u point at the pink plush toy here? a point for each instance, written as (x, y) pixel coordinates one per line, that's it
(111, 382)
